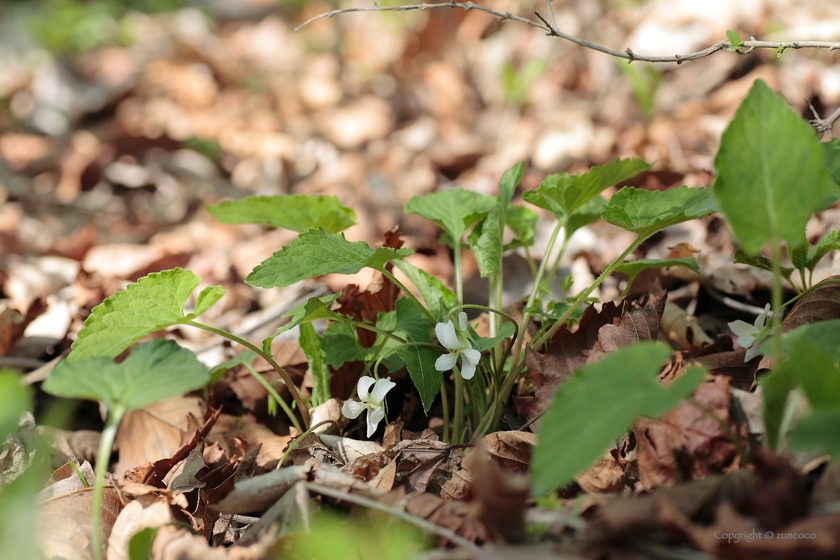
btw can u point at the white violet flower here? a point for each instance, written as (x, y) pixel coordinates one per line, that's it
(370, 400)
(458, 345)
(750, 336)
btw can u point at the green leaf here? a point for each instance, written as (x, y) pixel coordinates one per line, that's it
(154, 370)
(244, 358)
(438, 298)
(589, 214)
(313, 310)
(598, 404)
(734, 38)
(817, 373)
(419, 360)
(152, 303)
(771, 174)
(818, 432)
(486, 238)
(829, 242)
(311, 344)
(566, 194)
(824, 334)
(340, 345)
(775, 388)
(316, 252)
(454, 210)
(506, 330)
(798, 253)
(761, 262)
(633, 268)
(206, 298)
(646, 212)
(384, 255)
(831, 152)
(522, 220)
(297, 212)
(15, 399)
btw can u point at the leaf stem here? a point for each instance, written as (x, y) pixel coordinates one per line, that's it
(299, 439)
(777, 300)
(276, 396)
(456, 256)
(458, 413)
(516, 367)
(106, 443)
(301, 405)
(444, 401)
(519, 341)
(408, 293)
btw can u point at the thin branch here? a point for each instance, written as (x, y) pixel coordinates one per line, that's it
(551, 14)
(419, 522)
(823, 125)
(551, 30)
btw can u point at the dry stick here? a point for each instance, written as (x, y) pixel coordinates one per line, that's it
(823, 125)
(552, 31)
(419, 522)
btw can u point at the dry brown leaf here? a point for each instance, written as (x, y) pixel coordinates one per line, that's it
(155, 432)
(142, 513)
(177, 543)
(605, 476)
(686, 443)
(65, 514)
(597, 333)
(229, 428)
(821, 304)
(497, 498)
(510, 450)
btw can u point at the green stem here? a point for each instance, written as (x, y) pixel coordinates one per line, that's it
(371, 328)
(276, 396)
(825, 282)
(516, 367)
(301, 405)
(299, 439)
(106, 443)
(408, 293)
(519, 341)
(458, 414)
(444, 402)
(777, 300)
(459, 286)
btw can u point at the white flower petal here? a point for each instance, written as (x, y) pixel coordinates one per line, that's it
(380, 389)
(752, 352)
(762, 318)
(447, 336)
(446, 362)
(467, 369)
(742, 329)
(374, 417)
(352, 409)
(472, 356)
(364, 386)
(462, 320)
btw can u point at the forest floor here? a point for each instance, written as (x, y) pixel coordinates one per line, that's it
(110, 152)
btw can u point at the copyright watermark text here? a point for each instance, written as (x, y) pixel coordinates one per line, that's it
(757, 535)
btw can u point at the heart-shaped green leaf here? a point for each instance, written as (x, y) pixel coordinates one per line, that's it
(316, 252)
(598, 404)
(770, 169)
(297, 212)
(454, 210)
(565, 194)
(154, 370)
(646, 212)
(152, 303)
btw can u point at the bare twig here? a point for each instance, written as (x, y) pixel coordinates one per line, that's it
(551, 30)
(823, 125)
(421, 523)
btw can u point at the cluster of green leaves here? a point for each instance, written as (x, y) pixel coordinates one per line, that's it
(773, 174)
